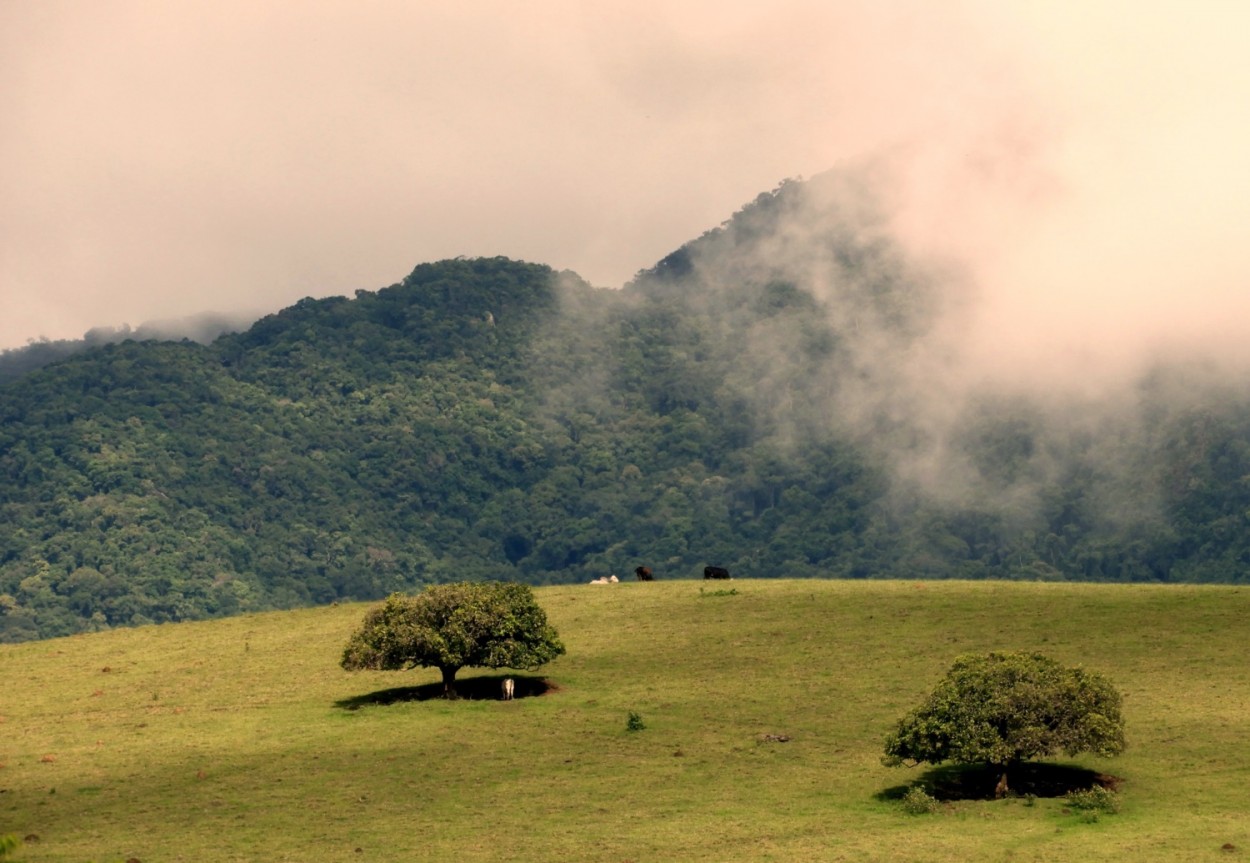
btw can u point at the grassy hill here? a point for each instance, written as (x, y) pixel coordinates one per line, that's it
(241, 739)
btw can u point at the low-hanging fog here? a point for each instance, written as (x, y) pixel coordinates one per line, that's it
(834, 318)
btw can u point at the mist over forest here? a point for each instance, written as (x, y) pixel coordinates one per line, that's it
(15, 362)
(797, 393)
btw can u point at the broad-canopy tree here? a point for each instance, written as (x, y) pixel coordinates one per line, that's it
(451, 626)
(1003, 708)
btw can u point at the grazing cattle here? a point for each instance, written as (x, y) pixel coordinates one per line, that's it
(509, 686)
(715, 572)
(644, 573)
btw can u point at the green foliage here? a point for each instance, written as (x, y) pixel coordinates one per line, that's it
(8, 845)
(1002, 708)
(490, 419)
(634, 722)
(451, 626)
(1094, 799)
(917, 801)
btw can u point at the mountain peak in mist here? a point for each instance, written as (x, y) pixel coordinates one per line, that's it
(774, 398)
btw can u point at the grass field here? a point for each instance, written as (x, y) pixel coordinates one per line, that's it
(243, 740)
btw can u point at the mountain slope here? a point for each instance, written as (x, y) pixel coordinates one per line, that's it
(756, 400)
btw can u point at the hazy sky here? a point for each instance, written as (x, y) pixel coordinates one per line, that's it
(1085, 161)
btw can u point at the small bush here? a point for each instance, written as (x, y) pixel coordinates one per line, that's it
(1094, 800)
(8, 844)
(917, 801)
(634, 723)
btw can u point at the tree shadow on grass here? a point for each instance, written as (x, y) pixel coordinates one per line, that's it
(486, 688)
(978, 781)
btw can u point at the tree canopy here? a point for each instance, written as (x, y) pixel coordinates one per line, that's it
(1003, 708)
(453, 626)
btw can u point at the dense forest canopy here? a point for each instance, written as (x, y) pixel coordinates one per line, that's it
(757, 400)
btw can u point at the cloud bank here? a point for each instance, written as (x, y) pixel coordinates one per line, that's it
(1082, 164)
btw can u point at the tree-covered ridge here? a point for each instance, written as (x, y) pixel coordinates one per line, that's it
(37, 353)
(746, 403)
(300, 462)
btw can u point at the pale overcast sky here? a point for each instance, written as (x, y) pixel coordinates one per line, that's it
(1085, 160)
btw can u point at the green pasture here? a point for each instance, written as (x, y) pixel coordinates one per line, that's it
(243, 740)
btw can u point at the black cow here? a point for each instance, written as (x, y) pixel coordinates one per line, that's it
(644, 573)
(715, 572)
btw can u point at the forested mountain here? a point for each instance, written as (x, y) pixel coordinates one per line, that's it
(752, 401)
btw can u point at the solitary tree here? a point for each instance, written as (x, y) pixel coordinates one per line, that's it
(451, 626)
(1003, 708)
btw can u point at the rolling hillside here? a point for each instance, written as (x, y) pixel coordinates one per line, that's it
(242, 739)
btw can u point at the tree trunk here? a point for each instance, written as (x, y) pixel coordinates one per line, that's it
(449, 681)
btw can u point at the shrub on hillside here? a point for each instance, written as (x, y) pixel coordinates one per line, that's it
(1001, 709)
(1094, 799)
(917, 801)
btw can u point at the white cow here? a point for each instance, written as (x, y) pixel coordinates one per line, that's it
(509, 686)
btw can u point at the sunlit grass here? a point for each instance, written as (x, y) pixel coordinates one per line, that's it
(243, 740)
